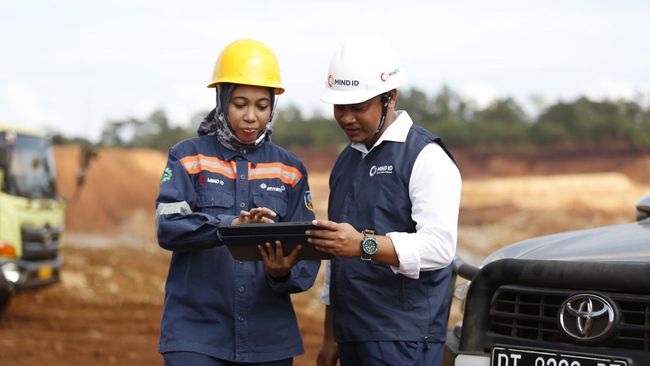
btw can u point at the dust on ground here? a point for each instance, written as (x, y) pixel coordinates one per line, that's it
(107, 307)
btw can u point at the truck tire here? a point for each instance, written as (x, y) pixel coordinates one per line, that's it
(5, 294)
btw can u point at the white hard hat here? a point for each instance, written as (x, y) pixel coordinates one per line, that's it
(361, 69)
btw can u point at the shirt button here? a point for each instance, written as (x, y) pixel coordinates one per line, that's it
(240, 318)
(242, 177)
(242, 204)
(241, 288)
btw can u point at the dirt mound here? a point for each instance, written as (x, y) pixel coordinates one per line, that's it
(118, 195)
(634, 163)
(611, 192)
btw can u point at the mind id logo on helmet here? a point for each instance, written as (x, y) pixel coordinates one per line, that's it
(384, 76)
(331, 81)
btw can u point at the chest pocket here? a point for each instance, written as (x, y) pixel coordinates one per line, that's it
(215, 201)
(277, 203)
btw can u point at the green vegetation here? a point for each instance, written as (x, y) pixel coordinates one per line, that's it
(501, 126)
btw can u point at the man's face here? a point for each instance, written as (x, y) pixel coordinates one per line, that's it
(359, 121)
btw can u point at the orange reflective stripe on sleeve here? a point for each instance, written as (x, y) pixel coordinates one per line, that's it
(287, 174)
(197, 163)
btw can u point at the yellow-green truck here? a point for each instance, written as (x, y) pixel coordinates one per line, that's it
(31, 213)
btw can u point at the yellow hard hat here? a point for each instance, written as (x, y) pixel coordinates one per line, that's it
(248, 62)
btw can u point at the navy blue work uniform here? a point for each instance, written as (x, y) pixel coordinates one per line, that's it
(370, 302)
(215, 305)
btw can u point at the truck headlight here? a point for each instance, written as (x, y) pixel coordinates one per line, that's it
(11, 272)
(7, 250)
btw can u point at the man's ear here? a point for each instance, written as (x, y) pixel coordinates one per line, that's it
(393, 98)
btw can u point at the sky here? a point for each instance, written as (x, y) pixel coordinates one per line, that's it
(70, 66)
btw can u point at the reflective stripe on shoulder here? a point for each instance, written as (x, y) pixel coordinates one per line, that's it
(181, 207)
(196, 163)
(287, 174)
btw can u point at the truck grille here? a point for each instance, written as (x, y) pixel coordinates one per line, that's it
(531, 313)
(40, 243)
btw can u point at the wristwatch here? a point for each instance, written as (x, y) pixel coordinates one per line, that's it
(368, 245)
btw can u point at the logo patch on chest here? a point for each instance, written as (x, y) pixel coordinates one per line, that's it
(268, 188)
(204, 179)
(382, 169)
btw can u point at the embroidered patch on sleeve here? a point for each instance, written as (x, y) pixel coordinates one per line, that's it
(167, 175)
(308, 201)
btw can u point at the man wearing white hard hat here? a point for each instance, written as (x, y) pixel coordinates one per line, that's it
(393, 211)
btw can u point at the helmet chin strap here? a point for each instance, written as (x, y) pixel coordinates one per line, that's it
(385, 100)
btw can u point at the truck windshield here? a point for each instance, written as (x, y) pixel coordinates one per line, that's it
(31, 171)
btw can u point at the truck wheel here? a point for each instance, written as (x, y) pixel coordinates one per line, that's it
(5, 294)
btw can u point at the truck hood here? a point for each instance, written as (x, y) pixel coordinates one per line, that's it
(616, 243)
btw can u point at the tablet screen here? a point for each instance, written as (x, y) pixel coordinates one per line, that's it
(242, 240)
(262, 228)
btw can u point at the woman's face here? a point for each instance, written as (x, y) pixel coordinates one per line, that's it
(249, 111)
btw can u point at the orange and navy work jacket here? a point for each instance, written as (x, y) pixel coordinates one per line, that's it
(215, 305)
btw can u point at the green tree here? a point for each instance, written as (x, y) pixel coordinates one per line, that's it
(292, 129)
(586, 122)
(155, 132)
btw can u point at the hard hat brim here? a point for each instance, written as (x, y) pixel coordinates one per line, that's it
(346, 97)
(277, 90)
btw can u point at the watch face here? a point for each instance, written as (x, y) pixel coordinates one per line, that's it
(369, 246)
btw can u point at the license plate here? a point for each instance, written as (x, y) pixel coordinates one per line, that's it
(45, 273)
(523, 357)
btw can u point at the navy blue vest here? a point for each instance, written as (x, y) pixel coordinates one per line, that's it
(370, 302)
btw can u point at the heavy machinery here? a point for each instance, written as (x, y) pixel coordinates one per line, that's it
(31, 213)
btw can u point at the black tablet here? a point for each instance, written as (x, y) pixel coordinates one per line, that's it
(242, 240)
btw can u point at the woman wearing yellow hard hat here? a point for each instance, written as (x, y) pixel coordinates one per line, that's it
(218, 310)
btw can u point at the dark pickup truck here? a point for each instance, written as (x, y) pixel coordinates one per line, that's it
(579, 298)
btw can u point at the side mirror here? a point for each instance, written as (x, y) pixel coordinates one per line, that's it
(643, 208)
